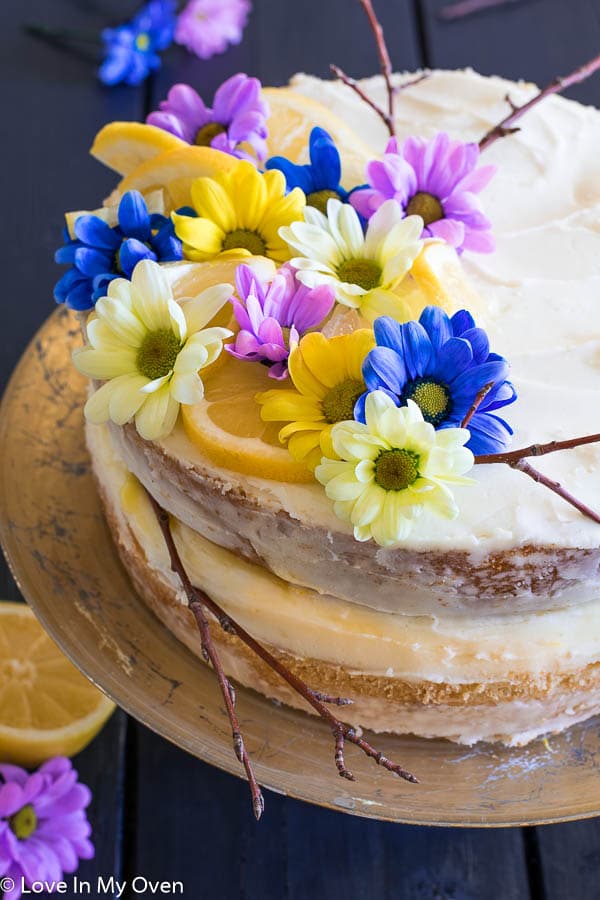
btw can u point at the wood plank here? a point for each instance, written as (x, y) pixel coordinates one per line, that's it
(570, 859)
(525, 39)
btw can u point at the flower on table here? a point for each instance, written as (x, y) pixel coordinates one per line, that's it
(320, 180)
(100, 253)
(132, 50)
(327, 378)
(363, 269)
(239, 212)
(207, 27)
(392, 468)
(437, 180)
(274, 315)
(441, 364)
(235, 124)
(44, 831)
(149, 350)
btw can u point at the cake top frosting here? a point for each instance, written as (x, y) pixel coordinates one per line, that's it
(387, 360)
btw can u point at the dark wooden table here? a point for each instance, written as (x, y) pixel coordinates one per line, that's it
(156, 811)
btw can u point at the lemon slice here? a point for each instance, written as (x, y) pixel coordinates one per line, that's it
(123, 146)
(175, 170)
(47, 707)
(228, 428)
(291, 121)
(442, 281)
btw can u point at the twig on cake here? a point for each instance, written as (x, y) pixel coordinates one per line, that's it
(196, 604)
(517, 459)
(199, 600)
(504, 127)
(476, 403)
(464, 8)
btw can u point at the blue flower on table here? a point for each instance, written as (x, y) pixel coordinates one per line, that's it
(132, 49)
(442, 364)
(320, 180)
(99, 253)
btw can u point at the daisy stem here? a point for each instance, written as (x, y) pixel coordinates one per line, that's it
(341, 731)
(503, 128)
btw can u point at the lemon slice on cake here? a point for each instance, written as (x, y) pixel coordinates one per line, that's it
(227, 426)
(47, 707)
(123, 146)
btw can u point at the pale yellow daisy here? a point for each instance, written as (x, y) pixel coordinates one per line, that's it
(149, 349)
(392, 468)
(363, 269)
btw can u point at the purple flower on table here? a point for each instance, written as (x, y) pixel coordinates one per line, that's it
(44, 831)
(274, 315)
(438, 180)
(132, 50)
(207, 27)
(237, 118)
(441, 363)
(99, 253)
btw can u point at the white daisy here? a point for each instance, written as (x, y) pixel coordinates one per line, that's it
(363, 269)
(392, 468)
(148, 349)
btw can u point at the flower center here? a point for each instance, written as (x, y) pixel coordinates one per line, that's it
(244, 239)
(338, 403)
(432, 398)
(425, 205)
(395, 470)
(24, 822)
(142, 41)
(363, 272)
(319, 199)
(209, 131)
(157, 354)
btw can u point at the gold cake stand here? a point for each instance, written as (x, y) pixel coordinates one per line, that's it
(61, 554)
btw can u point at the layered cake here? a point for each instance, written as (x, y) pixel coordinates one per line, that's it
(310, 372)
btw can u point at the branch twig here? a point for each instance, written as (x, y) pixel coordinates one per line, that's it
(384, 58)
(476, 403)
(355, 86)
(196, 604)
(503, 128)
(516, 459)
(198, 600)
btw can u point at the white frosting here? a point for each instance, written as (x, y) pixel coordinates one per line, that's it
(540, 289)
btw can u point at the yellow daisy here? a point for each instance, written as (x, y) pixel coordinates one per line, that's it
(328, 380)
(239, 212)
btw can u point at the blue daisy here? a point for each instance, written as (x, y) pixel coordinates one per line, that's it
(320, 180)
(442, 364)
(99, 253)
(132, 49)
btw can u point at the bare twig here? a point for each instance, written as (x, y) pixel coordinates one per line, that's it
(463, 8)
(384, 58)
(504, 127)
(355, 86)
(516, 459)
(341, 731)
(196, 604)
(476, 403)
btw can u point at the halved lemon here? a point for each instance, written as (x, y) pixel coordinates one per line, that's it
(47, 707)
(440, 277)
(123, 146)
(174, 171)
(228, 428)
(292, 118)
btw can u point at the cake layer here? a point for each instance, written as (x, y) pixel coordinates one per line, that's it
(515, 545)
(486, 679)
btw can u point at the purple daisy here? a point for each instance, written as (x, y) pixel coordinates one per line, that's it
(274, 316)
(237, 117)
(207, 27)
(44, 831)
(437, 180)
